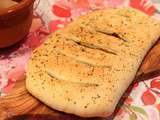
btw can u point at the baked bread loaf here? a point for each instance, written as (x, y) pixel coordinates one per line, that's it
(84, 68)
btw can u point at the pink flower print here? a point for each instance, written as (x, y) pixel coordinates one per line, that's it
(143, 5)
(79, 7)
(135, 85)
(78, 12)
(155, 83)
(61, 10)
(97, 4)
(56, 24)
(148, 98)
(128, 100)
(158, 106)
(79, 4)
(33, 41)
(16, 74)
(115, 3)
(36, 23)
(36, 38)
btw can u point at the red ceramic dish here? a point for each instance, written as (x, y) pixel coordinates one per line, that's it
(15, 22)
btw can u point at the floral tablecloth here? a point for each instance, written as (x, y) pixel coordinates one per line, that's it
(141, 103)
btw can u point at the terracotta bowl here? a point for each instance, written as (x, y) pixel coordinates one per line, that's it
(15, 22)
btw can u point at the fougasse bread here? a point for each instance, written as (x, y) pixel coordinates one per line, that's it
(85, 68)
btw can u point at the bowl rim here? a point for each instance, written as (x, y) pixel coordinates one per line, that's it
(16, 8)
